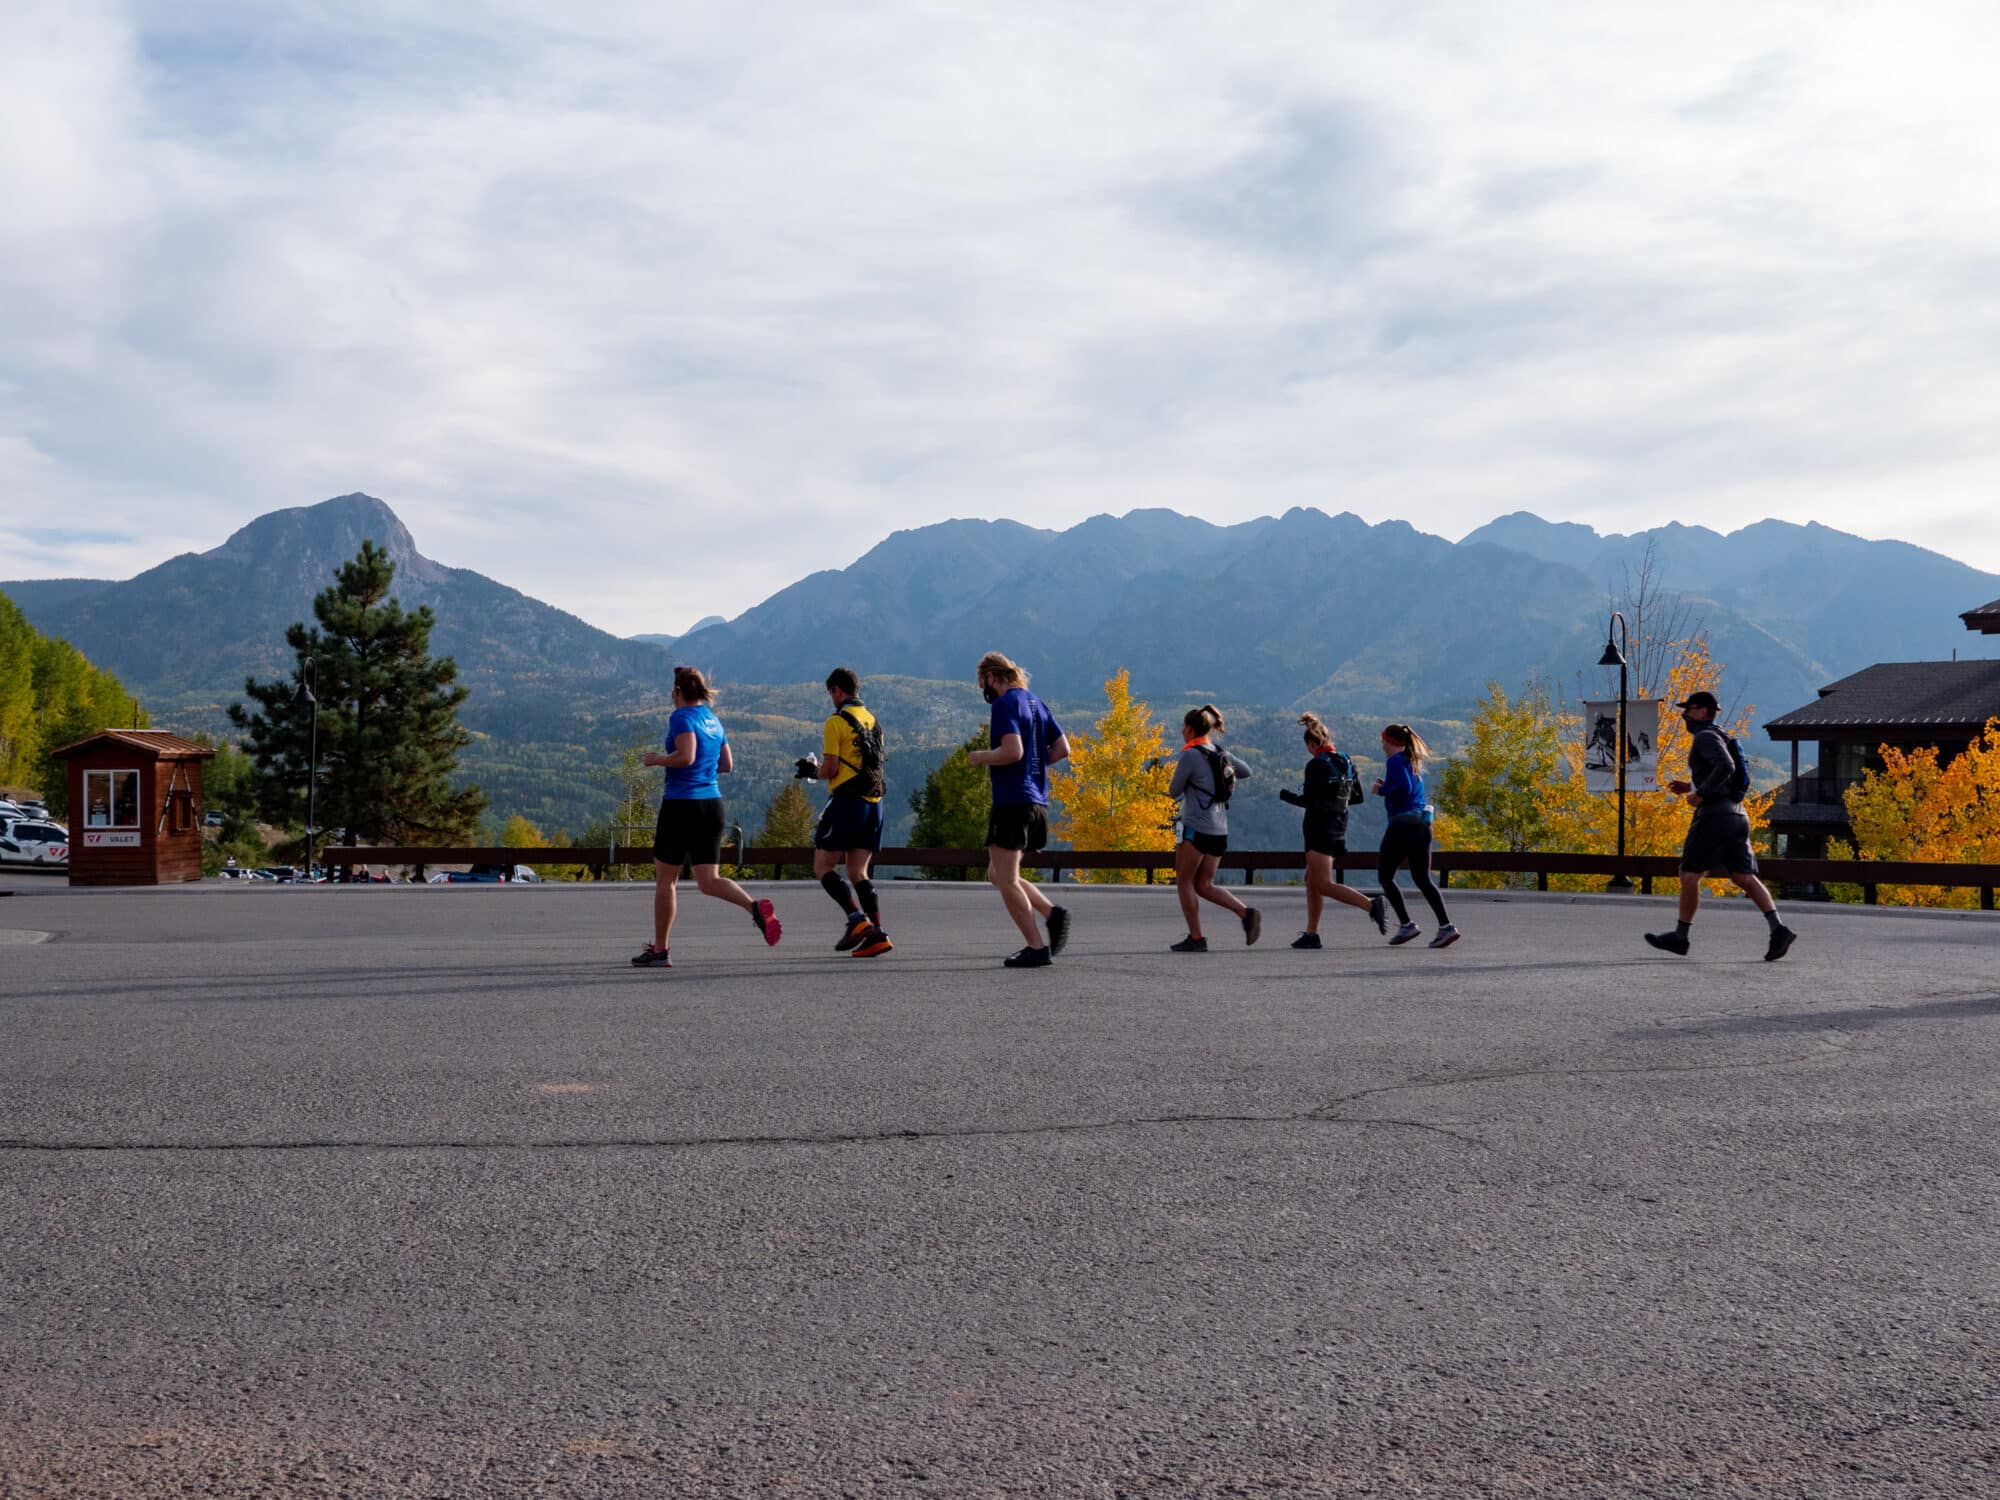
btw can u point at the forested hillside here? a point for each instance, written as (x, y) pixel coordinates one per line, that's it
(50, 695)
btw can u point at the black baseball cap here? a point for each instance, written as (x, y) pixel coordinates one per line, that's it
(1703, 699)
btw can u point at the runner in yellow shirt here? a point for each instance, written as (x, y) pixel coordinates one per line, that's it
(850, 830)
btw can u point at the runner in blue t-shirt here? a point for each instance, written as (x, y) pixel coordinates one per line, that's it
(689, 831)
(1026, 741)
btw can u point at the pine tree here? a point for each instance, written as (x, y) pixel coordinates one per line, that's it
(389, 736)
(952, 805)
(1113, 787)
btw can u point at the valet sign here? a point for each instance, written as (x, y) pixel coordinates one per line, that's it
(95, 838)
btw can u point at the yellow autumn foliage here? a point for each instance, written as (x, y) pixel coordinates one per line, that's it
(1915, 809)
(1113, 787)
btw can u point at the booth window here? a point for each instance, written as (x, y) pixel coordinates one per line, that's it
(111, 799)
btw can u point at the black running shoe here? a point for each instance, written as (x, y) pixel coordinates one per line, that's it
(765, 916)
(650, 957)
(1058, 929)
(1306, 940)
(1378, 913)
(1782, 939)
(1673, 942)
(1253, 926)
(858, 928)
(1029, 958)
(1189, 945)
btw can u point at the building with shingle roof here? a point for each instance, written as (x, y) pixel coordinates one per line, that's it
(1907, 704)
(1985, 619)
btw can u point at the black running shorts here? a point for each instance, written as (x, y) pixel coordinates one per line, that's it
(848, 824)
(1018, 825)
(689, 832)
(1718, 843)
(1319, 841)
(1216, 844)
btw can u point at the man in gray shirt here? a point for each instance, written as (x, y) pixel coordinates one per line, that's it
(1718, 837)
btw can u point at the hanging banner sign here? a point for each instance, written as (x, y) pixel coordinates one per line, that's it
(1642, 745)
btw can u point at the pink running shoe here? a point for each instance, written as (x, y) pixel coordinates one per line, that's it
(766, 917)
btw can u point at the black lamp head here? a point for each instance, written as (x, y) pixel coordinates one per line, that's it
(1611, 656)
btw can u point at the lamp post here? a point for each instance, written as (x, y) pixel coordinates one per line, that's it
(304, 698)
(1615, 647)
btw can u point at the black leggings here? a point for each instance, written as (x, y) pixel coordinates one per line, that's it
(1409, 843)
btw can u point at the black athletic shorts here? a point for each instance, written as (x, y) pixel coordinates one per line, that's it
(1319, 841)
(689, 832)
(1718, 842)
(1018, 825)
(1209, 843)
(849, 823)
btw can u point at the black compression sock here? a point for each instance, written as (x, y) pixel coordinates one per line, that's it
(865, 889)
(1771, 918)
(1681, 928)
(836, 887)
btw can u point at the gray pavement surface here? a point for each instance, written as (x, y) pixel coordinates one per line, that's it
(425, 1192)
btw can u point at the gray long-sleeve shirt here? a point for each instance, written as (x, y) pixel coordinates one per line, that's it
(1710, 769)
(1194, 784)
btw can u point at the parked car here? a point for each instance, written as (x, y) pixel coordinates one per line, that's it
(26, 841)
(212, 820)
(10, 810)
(492, 875)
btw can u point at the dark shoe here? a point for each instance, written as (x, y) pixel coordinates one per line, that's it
(650, 957)
(1189, 945)
(766, 917)
(1306, 940)
(1409, 932)
(1446, 936)
(1029, 958)
(1669, 942)
(858, 928)
(875, 945)
(1058, 929)
(1253, 926)
(1782, 939)
(1378, 913)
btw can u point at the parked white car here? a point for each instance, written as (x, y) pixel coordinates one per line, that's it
(26, 841)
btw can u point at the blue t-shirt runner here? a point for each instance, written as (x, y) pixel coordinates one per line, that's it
(1025, 781)
(695, 782)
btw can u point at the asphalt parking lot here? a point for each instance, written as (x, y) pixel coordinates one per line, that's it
(425, 1191)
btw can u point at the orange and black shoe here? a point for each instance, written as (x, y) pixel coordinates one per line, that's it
(858, 930)
(874, 945)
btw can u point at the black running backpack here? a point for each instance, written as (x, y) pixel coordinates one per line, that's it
(868, 780)
(1221, 773)
(1739, 770)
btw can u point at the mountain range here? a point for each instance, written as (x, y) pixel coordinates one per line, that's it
(1304, 609)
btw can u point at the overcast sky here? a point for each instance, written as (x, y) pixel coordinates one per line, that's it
(649, 309)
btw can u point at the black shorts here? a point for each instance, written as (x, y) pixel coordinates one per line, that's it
(1719, 843)
(1319, 841)
(848, 824)
(1216, 844)
(1018, 825)
(689, 832)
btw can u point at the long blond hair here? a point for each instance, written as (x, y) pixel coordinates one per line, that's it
(1316, 731)
(1411, 742)
(994, 664)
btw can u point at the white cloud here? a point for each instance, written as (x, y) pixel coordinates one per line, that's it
(649, 310)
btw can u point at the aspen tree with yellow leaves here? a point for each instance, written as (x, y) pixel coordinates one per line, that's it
(1113, 787)
(1915, 809)
(1523, 787)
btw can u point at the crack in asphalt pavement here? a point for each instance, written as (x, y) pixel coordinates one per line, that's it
(1316, 1116)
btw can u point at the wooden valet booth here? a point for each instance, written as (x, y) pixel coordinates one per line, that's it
(134, 808)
